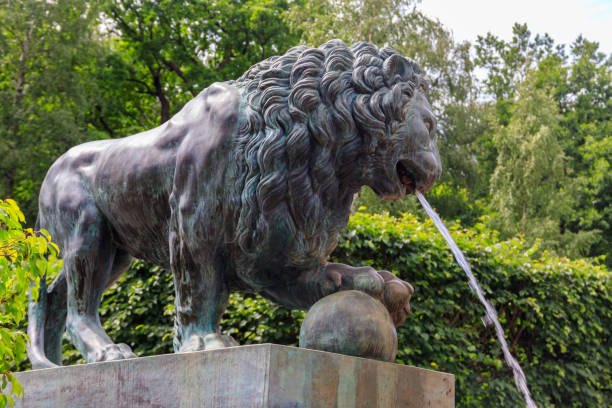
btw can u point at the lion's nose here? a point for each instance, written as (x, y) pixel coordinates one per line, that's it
(428, 170)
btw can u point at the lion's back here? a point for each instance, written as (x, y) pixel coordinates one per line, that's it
(130, 180)
(138, 175)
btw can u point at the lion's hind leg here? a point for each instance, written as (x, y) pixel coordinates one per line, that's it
(88, 255)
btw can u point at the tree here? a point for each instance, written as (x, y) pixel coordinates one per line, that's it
(587, 121)
(579, 83)
(47, 54)
(527, 186)
(594, 195)
(172, 49)
(508, 63)
(25, 256)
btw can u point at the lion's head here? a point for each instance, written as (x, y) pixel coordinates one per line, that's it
(319, 123)
(391, 108)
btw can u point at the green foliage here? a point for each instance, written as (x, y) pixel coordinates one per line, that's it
(578, 102)
(172, 49)
(527, 184)
(25, 256)
(594, 190)
(349, 20)
(368, 201)
(557, 313)
(250, 319)
(447, 198)
(48, 55)
(587, 120)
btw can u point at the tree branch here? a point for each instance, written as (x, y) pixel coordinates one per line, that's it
(147, 90)
(175, 68)
(105, 125)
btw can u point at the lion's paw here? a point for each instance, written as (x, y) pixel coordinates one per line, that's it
(211, 341)
(112, 352)
(215, 341)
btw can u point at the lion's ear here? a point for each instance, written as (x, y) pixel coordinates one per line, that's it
(396, 68)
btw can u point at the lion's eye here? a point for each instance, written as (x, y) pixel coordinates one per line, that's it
(429, 124)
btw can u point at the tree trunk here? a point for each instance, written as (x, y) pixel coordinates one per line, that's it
(165, 107)
(161, 96)
(23, 55)
(10, 182)
(524, 218)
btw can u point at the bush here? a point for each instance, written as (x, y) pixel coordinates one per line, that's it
(25, 256)
(557, 313)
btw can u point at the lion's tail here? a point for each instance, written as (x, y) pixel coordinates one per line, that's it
(46, 323)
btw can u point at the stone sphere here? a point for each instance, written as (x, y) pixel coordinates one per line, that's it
(352, 323)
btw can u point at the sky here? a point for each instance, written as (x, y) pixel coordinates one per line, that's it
(563, 20)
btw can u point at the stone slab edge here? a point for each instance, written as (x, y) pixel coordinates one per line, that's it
(258, 376)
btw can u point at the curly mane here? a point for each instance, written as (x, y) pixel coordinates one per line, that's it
(308, 116)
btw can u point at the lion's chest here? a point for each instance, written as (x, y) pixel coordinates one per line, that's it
(288, 254)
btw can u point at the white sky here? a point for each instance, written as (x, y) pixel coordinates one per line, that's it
(563, 20)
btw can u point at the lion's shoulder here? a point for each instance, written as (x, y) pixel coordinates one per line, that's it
(219, 102)
(207, 125)
(221, 96)
(209, 119)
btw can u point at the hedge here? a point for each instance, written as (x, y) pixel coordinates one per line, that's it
(557, 312)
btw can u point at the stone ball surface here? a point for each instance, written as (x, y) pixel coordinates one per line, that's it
(352, 323)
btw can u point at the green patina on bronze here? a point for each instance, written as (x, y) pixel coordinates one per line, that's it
(246, 188)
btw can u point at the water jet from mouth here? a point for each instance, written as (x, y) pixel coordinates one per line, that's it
(491, 315)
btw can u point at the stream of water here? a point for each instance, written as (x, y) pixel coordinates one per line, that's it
(491, 314)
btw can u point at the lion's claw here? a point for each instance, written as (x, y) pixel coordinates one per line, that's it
(335, 277)
(211, 341)
(113, 352)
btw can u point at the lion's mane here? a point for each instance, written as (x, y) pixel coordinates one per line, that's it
(306, 117)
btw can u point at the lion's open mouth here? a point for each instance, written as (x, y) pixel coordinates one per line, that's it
(405, 177)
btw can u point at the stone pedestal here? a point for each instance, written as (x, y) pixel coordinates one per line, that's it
(257, 376)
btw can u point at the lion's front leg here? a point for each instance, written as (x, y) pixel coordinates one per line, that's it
(201, 295)
(393, 292)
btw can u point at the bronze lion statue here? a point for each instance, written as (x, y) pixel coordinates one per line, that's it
(246, 188)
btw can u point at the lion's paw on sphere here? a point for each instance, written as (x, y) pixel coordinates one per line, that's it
(393, 292)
